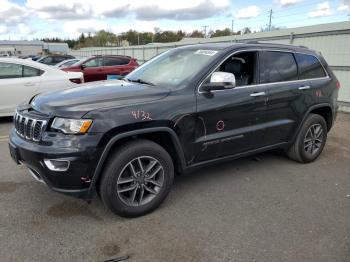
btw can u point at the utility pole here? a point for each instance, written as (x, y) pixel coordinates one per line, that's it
(270, 18)
(232, 27)
(205, 30)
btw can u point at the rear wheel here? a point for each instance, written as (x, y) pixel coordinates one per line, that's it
(310, 140)
(137, 178)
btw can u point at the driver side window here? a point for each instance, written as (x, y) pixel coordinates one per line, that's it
(244, 66)
(96, 62)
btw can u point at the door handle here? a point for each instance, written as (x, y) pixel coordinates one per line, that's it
(258, 94)
(29, 84)
(304, 87)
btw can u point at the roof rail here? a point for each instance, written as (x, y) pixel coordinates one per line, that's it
(258, 42)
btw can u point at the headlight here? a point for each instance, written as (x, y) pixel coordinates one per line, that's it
(71, 126)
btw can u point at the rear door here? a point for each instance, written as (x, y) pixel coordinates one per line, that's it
(18, 84)
(116, 66)
(311, 71)
(286, 103)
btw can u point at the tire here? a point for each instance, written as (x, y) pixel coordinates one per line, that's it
(126, 188)
(310, 141)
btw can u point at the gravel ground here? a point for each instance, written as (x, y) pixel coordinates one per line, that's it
(266, 209)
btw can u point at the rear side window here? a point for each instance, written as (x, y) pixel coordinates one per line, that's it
(30, 71)
(113, 61)
(278, 67)
(309, 67)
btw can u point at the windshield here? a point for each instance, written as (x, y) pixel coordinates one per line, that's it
(173, 68)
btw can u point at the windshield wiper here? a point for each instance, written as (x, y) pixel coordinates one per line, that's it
(139, 81)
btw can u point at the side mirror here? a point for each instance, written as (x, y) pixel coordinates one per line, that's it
(220, 81)
(83, 66)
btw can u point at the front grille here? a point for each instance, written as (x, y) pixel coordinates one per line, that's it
(28, 127)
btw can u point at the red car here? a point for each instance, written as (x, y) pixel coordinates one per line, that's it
(99, 67)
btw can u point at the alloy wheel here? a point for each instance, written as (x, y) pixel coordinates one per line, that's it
(313, 139)
(140, 181)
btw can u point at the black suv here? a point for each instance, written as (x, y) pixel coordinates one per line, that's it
(186, 108)
(54, 59)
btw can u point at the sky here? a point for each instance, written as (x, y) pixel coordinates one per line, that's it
(36, 19)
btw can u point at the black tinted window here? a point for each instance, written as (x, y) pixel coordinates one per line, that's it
(111, 61)
(278, 67)
(58, 59)
(309, 67)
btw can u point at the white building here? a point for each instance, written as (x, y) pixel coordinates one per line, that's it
(22, 48)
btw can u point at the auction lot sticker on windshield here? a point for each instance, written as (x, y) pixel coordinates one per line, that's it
(206, 52)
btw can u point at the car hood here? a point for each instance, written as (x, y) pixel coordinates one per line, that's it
(76, 102)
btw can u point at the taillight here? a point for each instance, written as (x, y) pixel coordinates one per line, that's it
(76, 80)
(337, 85)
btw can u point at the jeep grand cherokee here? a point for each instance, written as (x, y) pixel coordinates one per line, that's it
(186, 108)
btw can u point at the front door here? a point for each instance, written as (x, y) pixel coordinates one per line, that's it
(93, 70)
(18, 84)
(231, 121)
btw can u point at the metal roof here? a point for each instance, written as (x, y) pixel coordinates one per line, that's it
(21, 42)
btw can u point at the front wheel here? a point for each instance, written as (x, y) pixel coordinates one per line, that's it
(137, 178)
(310, 140)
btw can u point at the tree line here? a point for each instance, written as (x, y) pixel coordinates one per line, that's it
(104, 38)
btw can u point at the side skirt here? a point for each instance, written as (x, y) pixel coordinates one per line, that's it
(199, 165)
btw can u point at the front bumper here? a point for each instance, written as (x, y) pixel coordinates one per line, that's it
(82, 152)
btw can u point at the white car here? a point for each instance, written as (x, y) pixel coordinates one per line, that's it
(21, 79)
(67, 62)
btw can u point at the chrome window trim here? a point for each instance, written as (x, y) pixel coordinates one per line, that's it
(264, 84)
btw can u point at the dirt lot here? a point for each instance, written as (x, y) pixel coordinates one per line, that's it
(246, 210)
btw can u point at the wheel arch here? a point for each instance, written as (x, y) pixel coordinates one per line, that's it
(326, 113)
(163, 134)
(324, 110)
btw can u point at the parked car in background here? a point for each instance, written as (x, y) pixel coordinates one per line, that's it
(27, 57)
(67, 63)
(36, 58)
(54, 59)
(99, 67)
(21, 79)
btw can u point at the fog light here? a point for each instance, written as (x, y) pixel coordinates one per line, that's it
(57, 164)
